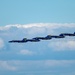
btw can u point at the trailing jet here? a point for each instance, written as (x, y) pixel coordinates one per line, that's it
(68, 34)
(25, 40)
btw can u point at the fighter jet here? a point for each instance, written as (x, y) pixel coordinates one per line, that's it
(19, 41)
(24, 40)
(33, 40)
(43, 38)
(68, 34)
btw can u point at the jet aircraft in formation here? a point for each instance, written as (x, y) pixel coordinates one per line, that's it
(43, 38)
(48, 37)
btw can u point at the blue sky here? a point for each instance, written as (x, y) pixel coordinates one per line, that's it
(31, 11)
(27, 19)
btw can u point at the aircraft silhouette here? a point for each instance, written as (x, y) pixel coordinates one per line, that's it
(55, 36)
(25, 40)
(43, 38)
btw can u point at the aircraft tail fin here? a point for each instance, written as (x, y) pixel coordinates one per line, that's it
(24, 39)
(61, 35)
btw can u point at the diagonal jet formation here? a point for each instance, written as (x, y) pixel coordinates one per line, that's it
(37, 39)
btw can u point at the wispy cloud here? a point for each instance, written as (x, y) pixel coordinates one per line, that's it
(26, 52)
(40, 66)
(6, 65)
(1, 43)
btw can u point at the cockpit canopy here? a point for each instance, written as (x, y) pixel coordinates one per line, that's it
(24, 39)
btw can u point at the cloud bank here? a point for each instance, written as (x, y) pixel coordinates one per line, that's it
(63, 45)
(17, 31)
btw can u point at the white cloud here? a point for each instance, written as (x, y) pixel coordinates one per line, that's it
(26, 52)
(63, 45)
(38, 29)
(1, 43)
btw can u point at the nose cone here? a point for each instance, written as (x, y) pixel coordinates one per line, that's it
(10, 41)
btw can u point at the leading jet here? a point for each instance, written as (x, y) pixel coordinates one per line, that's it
(19, 41)
(24, 40)
(68, 34)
